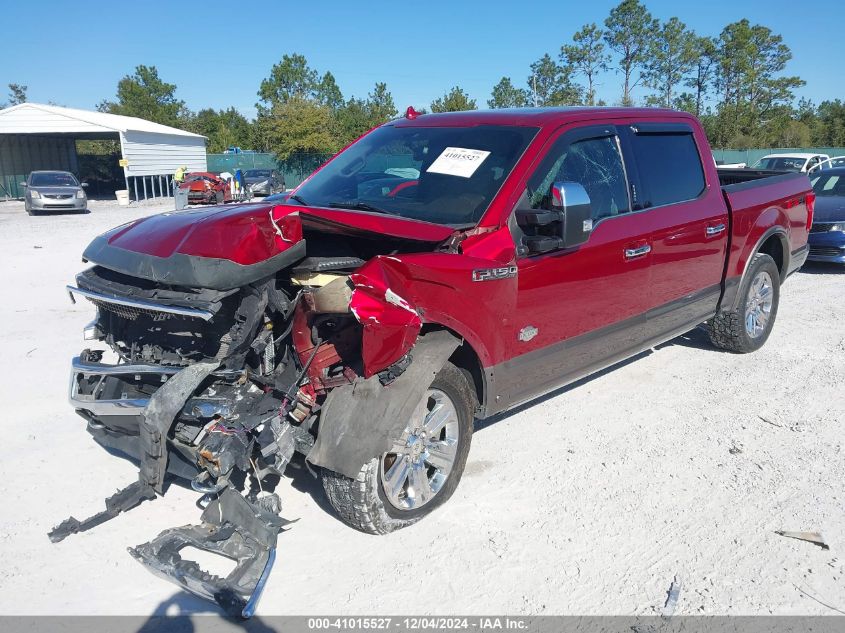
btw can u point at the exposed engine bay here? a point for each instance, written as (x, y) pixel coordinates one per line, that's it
(220, 386)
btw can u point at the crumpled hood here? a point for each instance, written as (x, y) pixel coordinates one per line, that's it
(224, 247)
(829, 209)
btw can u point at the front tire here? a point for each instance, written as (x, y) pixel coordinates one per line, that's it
(747, 327)
(420, 472)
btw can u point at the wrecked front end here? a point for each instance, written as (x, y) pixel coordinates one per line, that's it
(215, 371)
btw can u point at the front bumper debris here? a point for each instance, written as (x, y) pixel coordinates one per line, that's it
(240, 529)
(232, 527)
(99, 389)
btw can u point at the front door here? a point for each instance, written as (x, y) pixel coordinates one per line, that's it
(579, 309)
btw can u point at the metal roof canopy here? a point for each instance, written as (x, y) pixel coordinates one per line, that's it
(150, 149)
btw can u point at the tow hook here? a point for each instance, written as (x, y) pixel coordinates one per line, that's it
(233, 527)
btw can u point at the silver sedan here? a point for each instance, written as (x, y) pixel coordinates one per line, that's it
(54, 191)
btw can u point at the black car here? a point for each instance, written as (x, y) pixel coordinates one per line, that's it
(264, 182)
(827, 235)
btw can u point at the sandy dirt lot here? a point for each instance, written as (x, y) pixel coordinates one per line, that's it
(682, 462)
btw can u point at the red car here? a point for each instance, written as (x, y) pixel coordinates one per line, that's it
(206, 188)
(442, 268)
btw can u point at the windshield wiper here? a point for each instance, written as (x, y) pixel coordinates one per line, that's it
(357, 206)
(299, 200)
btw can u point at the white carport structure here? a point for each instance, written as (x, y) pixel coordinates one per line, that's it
(35, 136)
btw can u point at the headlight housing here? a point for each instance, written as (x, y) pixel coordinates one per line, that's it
(80, 194)
(34, 194)
(839, 226)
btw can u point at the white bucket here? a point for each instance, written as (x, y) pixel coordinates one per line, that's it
(122, 196)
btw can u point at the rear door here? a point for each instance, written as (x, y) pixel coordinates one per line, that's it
(580, 308)
(689, 223)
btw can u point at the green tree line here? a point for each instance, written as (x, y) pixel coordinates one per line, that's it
(735, 82)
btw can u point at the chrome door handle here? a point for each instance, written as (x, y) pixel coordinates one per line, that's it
(636, 252)
(715, 230)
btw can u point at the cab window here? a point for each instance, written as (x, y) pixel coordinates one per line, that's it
(669, 166)
(595, 163)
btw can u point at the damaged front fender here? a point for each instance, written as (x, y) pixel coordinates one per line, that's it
(390, 324)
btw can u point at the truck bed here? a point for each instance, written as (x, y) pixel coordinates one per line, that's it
(735, 176)
(765, 204)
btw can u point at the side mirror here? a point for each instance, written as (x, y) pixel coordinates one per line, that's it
(83, 185)
(574, 203)
(567, 224)
(23, 184)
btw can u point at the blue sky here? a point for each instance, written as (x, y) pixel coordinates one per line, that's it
(75, 53)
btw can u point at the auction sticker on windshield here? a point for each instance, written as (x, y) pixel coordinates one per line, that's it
(458, 161)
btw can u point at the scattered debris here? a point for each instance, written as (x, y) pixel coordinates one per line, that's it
(812, 597)
(780, 426)
(672, 597)
(734, 450)
(811, 537)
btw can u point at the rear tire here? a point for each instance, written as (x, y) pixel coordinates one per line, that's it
(363, 502)
(747, 327)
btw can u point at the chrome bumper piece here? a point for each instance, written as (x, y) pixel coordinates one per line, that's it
(122, 406)
(139, 304)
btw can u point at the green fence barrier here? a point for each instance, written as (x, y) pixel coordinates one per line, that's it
(296, 169)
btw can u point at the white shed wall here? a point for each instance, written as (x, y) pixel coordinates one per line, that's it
(155, 154)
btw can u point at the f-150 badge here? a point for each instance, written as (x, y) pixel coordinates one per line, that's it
(491, 274)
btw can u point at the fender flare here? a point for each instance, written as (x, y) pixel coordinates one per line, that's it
(784, 240)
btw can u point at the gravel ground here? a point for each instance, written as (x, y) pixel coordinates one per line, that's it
(682, 462)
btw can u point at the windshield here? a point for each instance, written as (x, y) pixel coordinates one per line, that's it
(447, 175)
(195, 177)
(53, 179)
(829, 185)
(784, 163)
(257, 173)
(838, 161)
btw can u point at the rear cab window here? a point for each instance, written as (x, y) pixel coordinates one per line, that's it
(668, 164)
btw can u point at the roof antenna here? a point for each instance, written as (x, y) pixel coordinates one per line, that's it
(411, 114)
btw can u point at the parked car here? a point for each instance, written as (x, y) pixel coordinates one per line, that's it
(790, 162)
(443, 267)
(264, 182)
(723, 165)
(827, 235)
(54, 191)
(206, 188)
(278, 197)
(830, 163)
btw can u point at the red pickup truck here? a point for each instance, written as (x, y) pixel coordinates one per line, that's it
(442, 268)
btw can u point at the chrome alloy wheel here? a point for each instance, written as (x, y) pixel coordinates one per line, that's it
(417, 466)
(758, 307)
